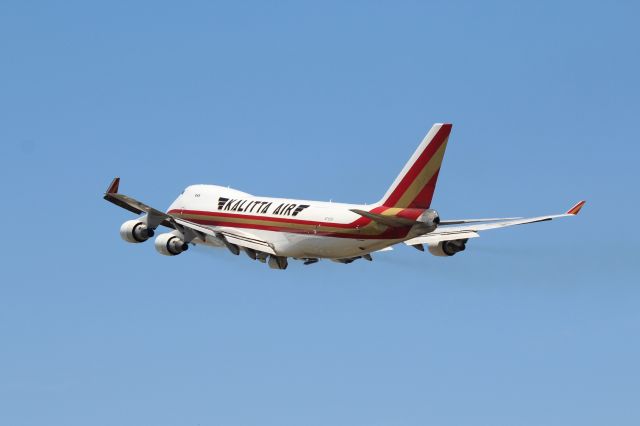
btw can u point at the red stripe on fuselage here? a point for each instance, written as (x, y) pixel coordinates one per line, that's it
(361, 221)
(409, 213)
(391, 233)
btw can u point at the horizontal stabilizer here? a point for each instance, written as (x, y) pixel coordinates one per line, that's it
(393, 221)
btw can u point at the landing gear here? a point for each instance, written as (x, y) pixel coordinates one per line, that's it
(348, 260)
(278, 262)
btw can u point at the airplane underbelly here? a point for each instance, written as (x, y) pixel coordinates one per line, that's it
(314, 246)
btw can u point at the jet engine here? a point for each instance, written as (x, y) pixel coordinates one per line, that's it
(170, 244)
(447, 248)
(134, 231)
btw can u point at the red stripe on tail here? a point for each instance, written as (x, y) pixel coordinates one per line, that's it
(416, 169)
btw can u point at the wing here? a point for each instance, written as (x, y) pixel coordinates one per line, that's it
(230, 238)
(464, 229)
(136, 206)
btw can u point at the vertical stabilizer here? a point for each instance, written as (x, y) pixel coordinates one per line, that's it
(414, 186)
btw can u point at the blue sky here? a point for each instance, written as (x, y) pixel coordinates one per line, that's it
(537, 325)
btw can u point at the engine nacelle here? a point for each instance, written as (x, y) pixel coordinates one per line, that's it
(447, 248)
(170, 245)
(134, 231)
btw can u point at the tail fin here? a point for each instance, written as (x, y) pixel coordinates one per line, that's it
(414, 186)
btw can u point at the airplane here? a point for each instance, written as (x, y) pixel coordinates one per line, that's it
(273, 230)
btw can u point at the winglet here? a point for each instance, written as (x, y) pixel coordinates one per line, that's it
(113, 188)
(576, 209)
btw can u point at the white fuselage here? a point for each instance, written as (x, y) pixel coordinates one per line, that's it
(295, 228)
